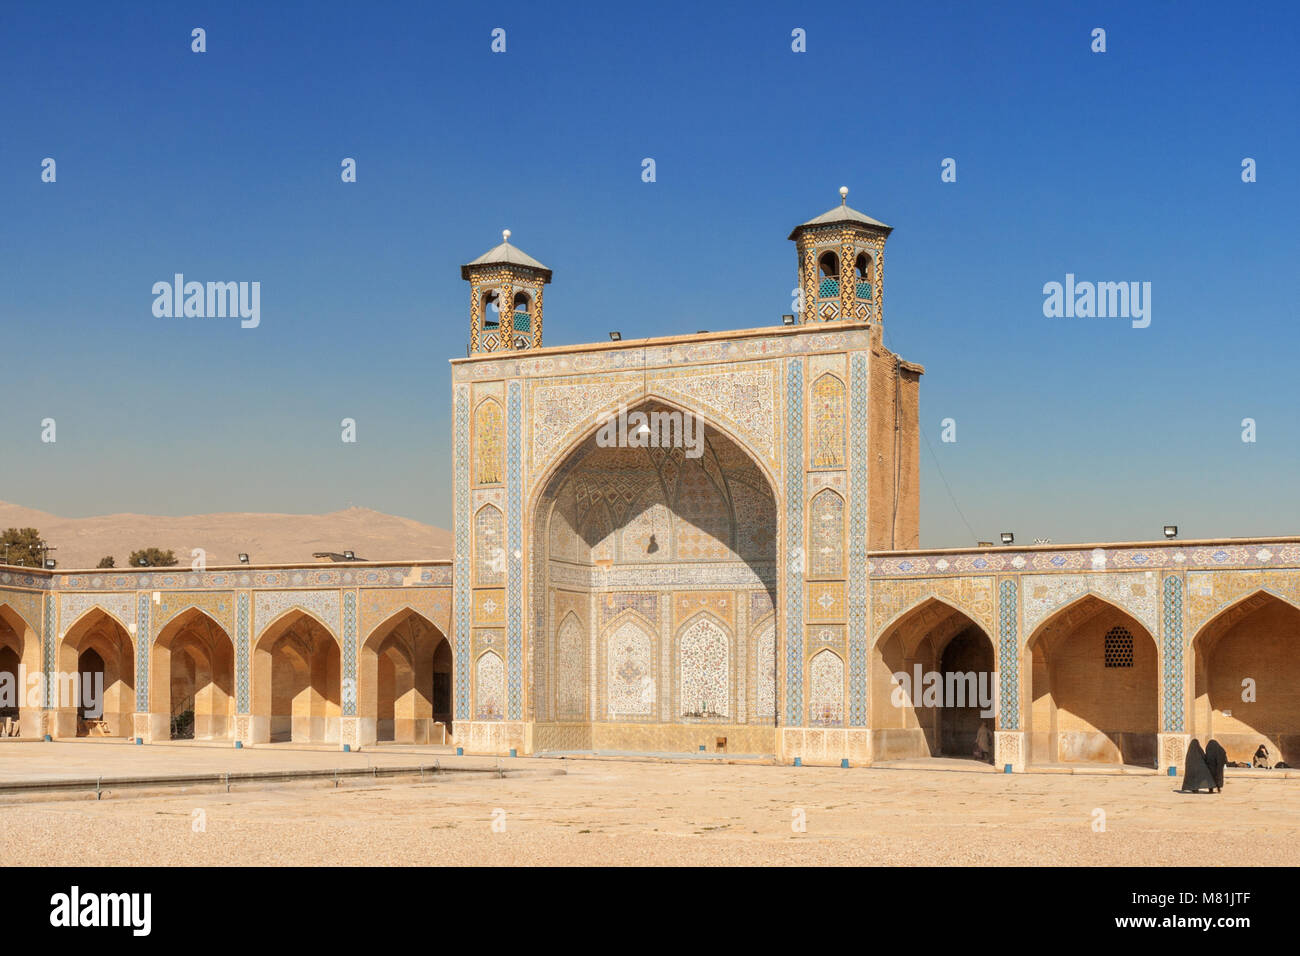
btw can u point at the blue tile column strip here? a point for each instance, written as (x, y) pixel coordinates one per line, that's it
(858, 591)
(350, 653)
(460, 576)
(48, 640)
(142, 652)
(1009, 654)
(243, 634)
(514, 557)
(1173, 621)
(794, 549)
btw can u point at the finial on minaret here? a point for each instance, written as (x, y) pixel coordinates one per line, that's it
(844, 195)
(505, 233)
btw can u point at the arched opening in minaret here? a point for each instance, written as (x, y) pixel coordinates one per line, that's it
(523, 312)
(654, 586)
(490, 306)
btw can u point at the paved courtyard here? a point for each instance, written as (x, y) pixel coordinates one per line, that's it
(625, 812)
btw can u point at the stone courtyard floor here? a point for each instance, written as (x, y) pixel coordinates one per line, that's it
(609, 812)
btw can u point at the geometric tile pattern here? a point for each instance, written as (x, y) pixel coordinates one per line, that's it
(27, 604)
(142, 648)
(1133, 592)
(243, 638)
(1210, 592)
(975, 597)
(514, 553)
(794, 572)
(270, 606)
(47, 637)
(349, 668)
(1009, 655)
(1173, 627)
(858, 564)
(72, 607)
(215, 604)
(461, 578)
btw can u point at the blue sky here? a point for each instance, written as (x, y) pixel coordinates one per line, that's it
(1122, 166)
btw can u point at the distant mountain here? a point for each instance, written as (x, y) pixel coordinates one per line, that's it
(267, 538)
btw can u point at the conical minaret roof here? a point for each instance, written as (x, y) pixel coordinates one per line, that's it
(507, 255)
(841, 213)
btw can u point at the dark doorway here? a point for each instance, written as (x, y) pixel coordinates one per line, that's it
(967, 667)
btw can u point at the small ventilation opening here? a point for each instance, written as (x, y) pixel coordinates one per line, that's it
(1119, 647)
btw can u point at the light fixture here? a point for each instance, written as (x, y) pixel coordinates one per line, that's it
(349, 556)
(616, 336)
(983, 544)
(787, 320)
(49, 564)
(1171, 531)
(144, 562)
(243, 558)
(1008, 537)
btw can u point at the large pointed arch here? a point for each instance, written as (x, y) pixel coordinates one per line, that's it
(192, 677)
(296, 680)
(100, 650)
(20, 664)
(917, 715)
(676, 523)
(404, 680)
(1090, 685)
(1243, 667)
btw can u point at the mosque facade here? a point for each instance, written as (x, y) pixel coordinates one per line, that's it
(701, 543)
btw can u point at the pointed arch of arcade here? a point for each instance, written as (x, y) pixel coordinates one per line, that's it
(192, 677)
(20, 659)
(296, 685)
(942, 715)
(100, 650)
(1244, 678)
(404, 680)
(1090, 686)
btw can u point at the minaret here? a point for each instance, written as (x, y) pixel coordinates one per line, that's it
(841, 266)
(505, 306)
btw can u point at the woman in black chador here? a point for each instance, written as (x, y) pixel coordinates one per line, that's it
(1216, 758)
(1197, 776)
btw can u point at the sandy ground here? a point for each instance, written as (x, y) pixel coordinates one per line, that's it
(621, 812)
